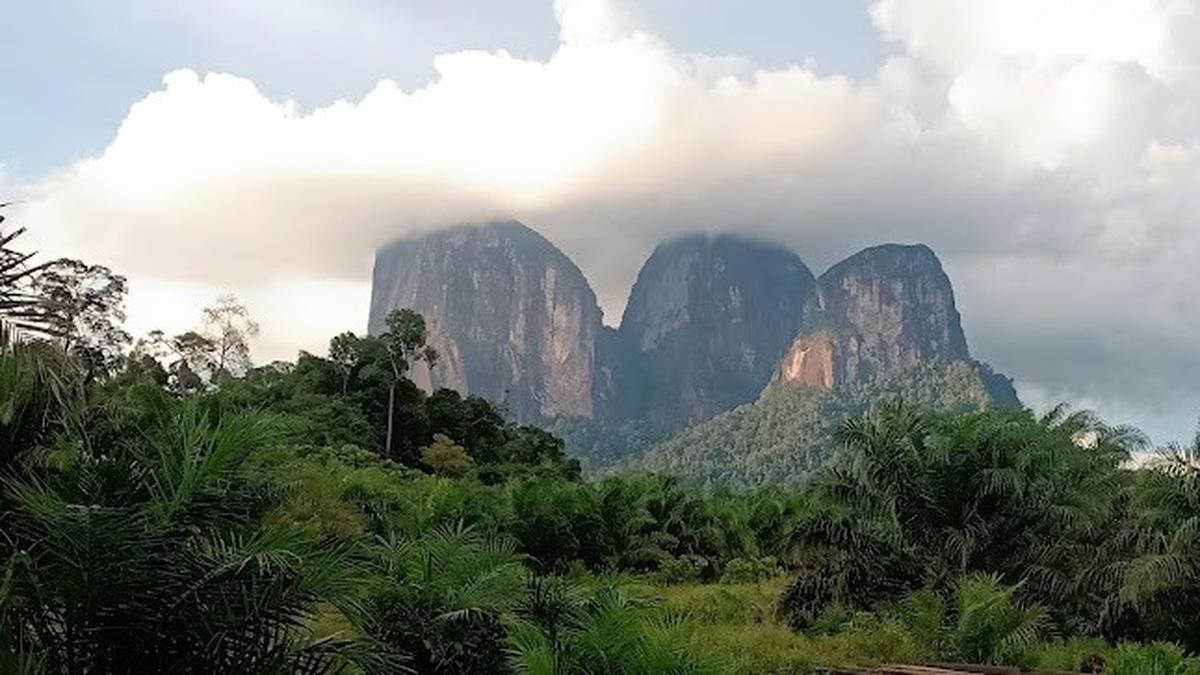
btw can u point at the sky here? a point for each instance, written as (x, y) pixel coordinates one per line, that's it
(1048, 151)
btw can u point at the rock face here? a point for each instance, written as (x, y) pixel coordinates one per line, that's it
(707, 327)
(880, 324)
(880, 313)
(709, 318)
(512, 317)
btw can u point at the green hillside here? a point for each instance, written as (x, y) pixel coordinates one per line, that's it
(786, 434)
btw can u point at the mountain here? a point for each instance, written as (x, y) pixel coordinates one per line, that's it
(728, 343)
(880, 312)
(880, 315)
(512, 317)
(709, 318)
(881, 323)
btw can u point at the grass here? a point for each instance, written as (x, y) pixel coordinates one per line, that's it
(734, 626)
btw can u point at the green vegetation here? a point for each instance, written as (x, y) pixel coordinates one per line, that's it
(785, 436)
(175, 511)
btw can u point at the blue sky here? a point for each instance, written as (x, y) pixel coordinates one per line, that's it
(73, 67)
(1048, 151)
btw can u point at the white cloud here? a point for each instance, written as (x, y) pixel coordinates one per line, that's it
(1154, 34)
(1048, 151)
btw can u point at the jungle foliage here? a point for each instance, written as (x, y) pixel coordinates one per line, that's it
(207, 518)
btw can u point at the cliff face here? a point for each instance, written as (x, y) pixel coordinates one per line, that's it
(707, 327)
(880, 324)
(512, 317)
(881, 313)
(709, 319)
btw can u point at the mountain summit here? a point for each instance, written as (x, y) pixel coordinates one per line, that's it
(511, 315)
(882, 312)
(711, 317)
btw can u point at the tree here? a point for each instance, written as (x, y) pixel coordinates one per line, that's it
(85, 306)
(405, 339)
(189, 357)
(443, 596)
(197, 355)
(1162, 581)
(444, 456)
(913, 498)
(149, 554)
(20, 308)
(345, 352)
(228, 325)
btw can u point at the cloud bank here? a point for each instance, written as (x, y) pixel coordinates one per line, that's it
(1050, 153)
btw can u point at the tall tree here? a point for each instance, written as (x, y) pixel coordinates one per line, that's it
(406, 339)
(197, 355)
(85, 306)
(188, 358)
(228, 325)
(345, 352)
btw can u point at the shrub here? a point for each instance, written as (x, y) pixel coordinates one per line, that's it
(600, 631)
(1156, 658)
(1085, 655)
(446, 457)
(992, 627)
(682, 570)
(748, 570)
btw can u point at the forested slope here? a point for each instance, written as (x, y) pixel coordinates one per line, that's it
(783, 437)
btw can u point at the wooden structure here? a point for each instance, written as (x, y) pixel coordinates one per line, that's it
(941, 669)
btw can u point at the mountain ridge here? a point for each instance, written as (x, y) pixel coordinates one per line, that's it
(713, 324)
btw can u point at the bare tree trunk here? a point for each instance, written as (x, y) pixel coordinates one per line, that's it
(391, 415)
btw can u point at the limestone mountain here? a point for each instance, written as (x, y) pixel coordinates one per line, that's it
(882, 311)
(709, 318)
(511, 315)
(881, 323)
(729, 343)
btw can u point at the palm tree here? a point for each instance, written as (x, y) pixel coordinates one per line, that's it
(149, 556)
(568, 629)
(1162, 582)
(923, 500)
(441, 596)
(992, 625)
(20, 309)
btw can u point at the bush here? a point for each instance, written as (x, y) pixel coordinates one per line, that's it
(446, 457)
(992, 627)
(1156, 658)
(1085, 655)
(682, 570)
(748, 570)
(565, 629)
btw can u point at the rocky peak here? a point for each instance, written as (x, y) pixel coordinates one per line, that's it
(511, 315)
(882, 312)
(710, 318)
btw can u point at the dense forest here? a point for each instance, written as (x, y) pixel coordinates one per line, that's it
(787, 433)
(167, 506)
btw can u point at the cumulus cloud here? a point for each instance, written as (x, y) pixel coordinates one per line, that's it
(1050, 152)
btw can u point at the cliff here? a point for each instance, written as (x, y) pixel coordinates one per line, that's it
(512, 316)
(710, 318)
